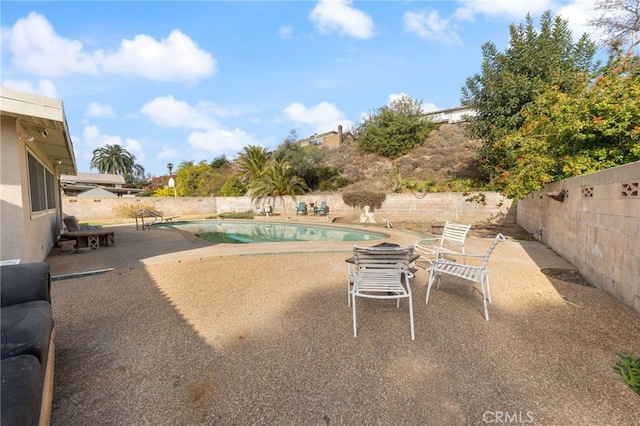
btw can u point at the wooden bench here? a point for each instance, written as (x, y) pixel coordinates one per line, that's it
(92, 238)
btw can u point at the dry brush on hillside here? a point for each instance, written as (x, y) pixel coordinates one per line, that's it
(446, 154)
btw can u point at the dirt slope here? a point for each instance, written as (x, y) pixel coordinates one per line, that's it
(447, 153)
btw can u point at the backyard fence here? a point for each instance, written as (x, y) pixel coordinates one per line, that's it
(593, 221)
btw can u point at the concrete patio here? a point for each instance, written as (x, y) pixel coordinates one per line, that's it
(184, 332)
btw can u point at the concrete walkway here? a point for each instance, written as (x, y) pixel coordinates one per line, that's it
(183, 332)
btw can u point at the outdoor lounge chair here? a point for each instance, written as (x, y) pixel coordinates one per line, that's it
(92, 237)
(72, 224)
(475, 274)
(382, 273)
(451, 242)
(302, 208)
(323, 209)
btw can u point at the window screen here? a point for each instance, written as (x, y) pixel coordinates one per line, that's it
(41, 186)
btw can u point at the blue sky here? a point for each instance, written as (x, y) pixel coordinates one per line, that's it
(176, 81)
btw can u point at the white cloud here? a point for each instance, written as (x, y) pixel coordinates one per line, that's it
(430, 26)
(220, 141)
(134, 147)
(45, 87)
(32, 42)
(463, 14)
(285, 31)
(98, 110)
(170, 112)
(211, 138)
(168, 154)
(93, 138)
(430, 107)
(338, 16)
(395, 97)
(323, 117)
(514, 9)
(175, 58)
(578, 13)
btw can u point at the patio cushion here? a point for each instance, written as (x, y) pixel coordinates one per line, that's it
(26, 329)
(21, 390)
(73, 225)
(25, 282)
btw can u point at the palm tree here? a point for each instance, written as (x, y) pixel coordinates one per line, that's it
(135, 175)
(116, 160)
(252, 162)
(277, 181)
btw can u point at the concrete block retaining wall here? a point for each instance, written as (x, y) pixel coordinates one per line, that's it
(437, 207)
(596, 227)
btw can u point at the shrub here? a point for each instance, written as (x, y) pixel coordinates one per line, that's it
(233, 215)
(361, 198)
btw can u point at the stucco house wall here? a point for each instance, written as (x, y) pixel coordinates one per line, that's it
(25, 236)
(31, 126)
(12, 220)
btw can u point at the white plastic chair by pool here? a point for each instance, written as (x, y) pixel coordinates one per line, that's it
(382, 273)
(475, 274)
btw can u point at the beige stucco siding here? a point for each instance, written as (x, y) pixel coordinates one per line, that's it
(12, 238)
(25, 236)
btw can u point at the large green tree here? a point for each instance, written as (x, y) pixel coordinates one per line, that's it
(196, 179)
(233, 187)
(115, 159)
(394, 129)
(596, 126)
(303, 160)
(510, 81)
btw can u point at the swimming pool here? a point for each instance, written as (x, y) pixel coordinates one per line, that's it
(244, 232)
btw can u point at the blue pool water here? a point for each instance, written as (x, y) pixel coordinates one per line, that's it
(243, 232)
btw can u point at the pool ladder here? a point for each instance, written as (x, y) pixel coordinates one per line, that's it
(157, 218)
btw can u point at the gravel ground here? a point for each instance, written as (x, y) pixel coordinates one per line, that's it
(184, 332)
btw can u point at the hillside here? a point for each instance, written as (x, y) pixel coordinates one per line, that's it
(447, 153)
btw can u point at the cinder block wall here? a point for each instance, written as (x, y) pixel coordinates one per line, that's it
(430, 208)
(596, 227)
(110, 208)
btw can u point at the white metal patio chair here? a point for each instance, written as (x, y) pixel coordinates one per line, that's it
(476, 274)
(382, 273)
(450, 242)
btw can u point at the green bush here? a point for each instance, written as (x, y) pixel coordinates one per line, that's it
(233, 187)
(393, 130)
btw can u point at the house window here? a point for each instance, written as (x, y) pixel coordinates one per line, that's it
(41, 186)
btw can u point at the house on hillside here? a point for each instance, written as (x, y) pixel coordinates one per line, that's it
(35, 150)
(158, 182)
(96, 185)
(330, 139)
(451, 115)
